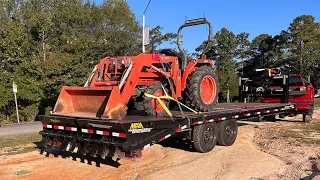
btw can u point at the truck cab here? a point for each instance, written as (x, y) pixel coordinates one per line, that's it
(301, 92)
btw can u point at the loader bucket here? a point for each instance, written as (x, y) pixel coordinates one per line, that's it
(90, 102)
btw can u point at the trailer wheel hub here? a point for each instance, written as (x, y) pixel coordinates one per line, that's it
(208, 89)
(208, 135)
(230, 131)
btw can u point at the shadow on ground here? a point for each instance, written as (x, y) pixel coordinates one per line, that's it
(256, 119)
(315, 172)
(185, 144)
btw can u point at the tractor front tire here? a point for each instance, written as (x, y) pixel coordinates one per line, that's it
(202, 89)
(152, 106)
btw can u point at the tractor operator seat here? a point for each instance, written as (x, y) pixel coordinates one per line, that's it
(171, 52)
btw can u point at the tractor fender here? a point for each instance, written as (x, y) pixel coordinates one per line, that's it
(191, 67)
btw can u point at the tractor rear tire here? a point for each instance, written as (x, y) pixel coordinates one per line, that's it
(202, 89)
(152, 106)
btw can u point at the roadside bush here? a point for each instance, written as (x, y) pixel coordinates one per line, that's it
(29, 113)
(26, 114)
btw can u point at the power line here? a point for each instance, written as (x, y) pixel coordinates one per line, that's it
(147, 7)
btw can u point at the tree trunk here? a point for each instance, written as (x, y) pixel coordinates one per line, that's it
(309, 78)
(43, 47)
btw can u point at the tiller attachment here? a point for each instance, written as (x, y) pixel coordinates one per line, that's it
(94, 102)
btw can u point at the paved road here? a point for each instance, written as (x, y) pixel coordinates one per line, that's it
(20, 129)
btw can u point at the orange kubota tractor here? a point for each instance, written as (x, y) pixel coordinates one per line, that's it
(117, 82)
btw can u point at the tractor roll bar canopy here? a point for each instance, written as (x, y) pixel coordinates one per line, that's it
(194, 22)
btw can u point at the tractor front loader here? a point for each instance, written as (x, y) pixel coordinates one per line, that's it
(117, 82)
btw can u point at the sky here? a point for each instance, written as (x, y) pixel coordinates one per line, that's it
(252, 16)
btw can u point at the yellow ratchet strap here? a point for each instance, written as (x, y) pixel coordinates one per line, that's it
(166, 96)
(269, 72)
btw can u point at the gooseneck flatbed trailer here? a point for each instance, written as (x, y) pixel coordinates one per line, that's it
(98, 120)
(126, 138)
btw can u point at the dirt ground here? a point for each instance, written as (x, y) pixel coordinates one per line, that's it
(263, 150)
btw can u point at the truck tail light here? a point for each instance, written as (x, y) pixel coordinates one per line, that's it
(303, 88)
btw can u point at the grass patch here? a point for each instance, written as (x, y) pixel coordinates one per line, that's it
(13, 141)
(313, 127)
(290, 134)
(22, 172)
(20, 150)
(317, 102)
(313, 141)
(303, 133)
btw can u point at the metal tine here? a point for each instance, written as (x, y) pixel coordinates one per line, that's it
(77, 147)
(69, 146)
(116, 154)
(85, 148)
(95, 150)
(105, 152)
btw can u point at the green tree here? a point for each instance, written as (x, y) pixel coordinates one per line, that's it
(45, 44)
(304, 35)
(223, 53)
(243, 51)
(16, 51)
(160, 38)
(261, 46)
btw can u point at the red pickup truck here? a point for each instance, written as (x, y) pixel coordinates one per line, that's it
(300, 92)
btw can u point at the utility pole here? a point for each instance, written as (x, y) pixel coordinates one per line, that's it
(144, 29)
(15, 90)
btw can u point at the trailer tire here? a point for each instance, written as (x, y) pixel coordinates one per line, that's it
(200, 81)
(227, 132)
(204, 137)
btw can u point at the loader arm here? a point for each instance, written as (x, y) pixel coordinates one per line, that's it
(105, 98)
